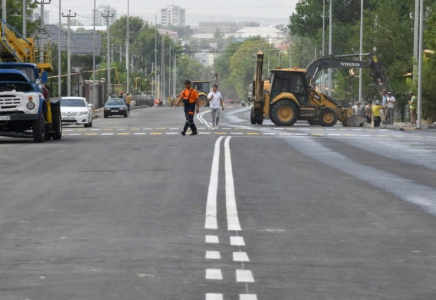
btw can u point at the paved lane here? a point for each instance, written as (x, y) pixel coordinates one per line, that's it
(130, 209)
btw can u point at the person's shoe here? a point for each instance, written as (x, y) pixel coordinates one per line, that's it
(194, 133)
(213, 128)
(183, 133)
(217, 127)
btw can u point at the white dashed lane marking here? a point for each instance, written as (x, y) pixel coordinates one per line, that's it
(214, 274)
(212, 239)
(240, 257)
(237, 241)
(107, 133)
(247, 297)
(244, 276)
(214, 297)
(213, 255)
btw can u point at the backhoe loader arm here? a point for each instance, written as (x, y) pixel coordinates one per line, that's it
(258, 81)
(332, 62)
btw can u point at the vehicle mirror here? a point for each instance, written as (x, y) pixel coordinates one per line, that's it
(38, 81)
(90, 105)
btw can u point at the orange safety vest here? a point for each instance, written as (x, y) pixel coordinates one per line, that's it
(190, 95)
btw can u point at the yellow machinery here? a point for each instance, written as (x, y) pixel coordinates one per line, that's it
(287, 96)
(203, 89)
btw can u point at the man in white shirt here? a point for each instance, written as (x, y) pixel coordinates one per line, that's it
(390, 104)
(359, 110)
(216, 102)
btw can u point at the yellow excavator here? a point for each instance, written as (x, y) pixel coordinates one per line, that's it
(288, 95)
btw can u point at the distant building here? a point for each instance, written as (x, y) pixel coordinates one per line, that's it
(171, 34)
(173, 15)
(270, 35)
(81, 43)
(104, 9)
(205, 58)
(224, 27)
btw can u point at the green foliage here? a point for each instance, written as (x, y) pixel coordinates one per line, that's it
(14, 15)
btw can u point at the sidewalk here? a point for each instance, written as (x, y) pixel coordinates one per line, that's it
(404, 126)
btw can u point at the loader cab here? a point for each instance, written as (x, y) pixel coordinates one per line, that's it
(201, 86)
(292, 81)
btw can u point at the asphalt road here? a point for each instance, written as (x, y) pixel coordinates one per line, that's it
(131, 209)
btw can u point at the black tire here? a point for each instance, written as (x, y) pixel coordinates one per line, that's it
(126, 115)
(259, 121)
(38, 129)
(313, 122)
(203, 101)
(284, 113)
(57, 122)
(105, 116)
(252, 116)
(90, 121)
(327, 118)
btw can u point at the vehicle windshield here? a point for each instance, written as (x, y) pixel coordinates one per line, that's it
(73, 103)
(28, 71)
(18, 87)
(287, 82)
(115, 102)
(202, 86)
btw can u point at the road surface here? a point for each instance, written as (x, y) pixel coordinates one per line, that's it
(131, 209)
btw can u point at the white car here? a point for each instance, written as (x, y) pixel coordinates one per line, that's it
(76, 110)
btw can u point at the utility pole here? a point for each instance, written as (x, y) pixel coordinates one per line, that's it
(152, 72)
(420, 70)
(60, 51)
(94, 102)
(69, 16)
(169, 71)
(42, 26)
(323, 46)
(361, 51)
(175, 74)
(24, 18)
(108, 52)
(155, 54)
(162, 66)
(4, 10)
(127, 47)
(415, 43)
(330, 45)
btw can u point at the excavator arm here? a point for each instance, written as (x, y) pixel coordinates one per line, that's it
(340, 62)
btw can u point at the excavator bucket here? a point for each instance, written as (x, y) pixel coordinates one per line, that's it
(354, 121)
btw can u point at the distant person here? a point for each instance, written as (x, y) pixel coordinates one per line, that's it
(128, 100)
(384, 104)
(192, 105)
(412, 107)
(359, 109)
(216, 103)
(376, 108)
(368, 113)
(390, 108)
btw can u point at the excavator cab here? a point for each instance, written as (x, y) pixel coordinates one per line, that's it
(290, 82)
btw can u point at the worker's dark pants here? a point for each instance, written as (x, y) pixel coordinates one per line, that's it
(377, 121)
(189, 114)
(368, 119)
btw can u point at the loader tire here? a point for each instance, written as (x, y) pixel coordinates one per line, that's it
(38, 130)
(313, 122)
(327, 118)
(57, 122)
(203, 101)
(252, 116)
(284, 113)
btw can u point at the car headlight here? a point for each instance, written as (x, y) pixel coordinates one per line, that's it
(83, 113)
(30, 105)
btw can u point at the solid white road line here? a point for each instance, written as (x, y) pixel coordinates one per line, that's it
(237, 241)
(240, 256)
(244, 276)
(232, 210)
(211, 210)
(214, 274)
(212, 239)
(214, 296)
(213, 255)
(248, 297)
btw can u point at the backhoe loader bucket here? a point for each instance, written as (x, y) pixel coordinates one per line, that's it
(354, 121)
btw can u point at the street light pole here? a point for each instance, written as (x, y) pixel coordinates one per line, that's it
(361, 51)
(330, 45)
(69, 16)
(60, 51)
(4, 15)
(108, 52)
(127, 47)
(323, 46)
(24, 18)
(421, 28)
(415, 42)
(94, 102)
(155, 54)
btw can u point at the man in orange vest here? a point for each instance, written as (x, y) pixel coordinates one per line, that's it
(190, 100)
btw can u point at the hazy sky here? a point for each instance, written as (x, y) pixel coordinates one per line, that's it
(196, 10)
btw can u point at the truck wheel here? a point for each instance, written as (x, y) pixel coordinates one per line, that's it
(313, 122)
(203, 101)
(105, 116)
(327, 118)
(57, 123)
(259, 121)
(252, 116)
(38, 129)
(284, 113)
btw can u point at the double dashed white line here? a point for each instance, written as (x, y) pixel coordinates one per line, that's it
(242, 275)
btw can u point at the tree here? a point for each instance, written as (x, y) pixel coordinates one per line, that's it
(14, 12)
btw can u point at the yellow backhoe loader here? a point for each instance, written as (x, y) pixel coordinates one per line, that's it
(288, 96)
